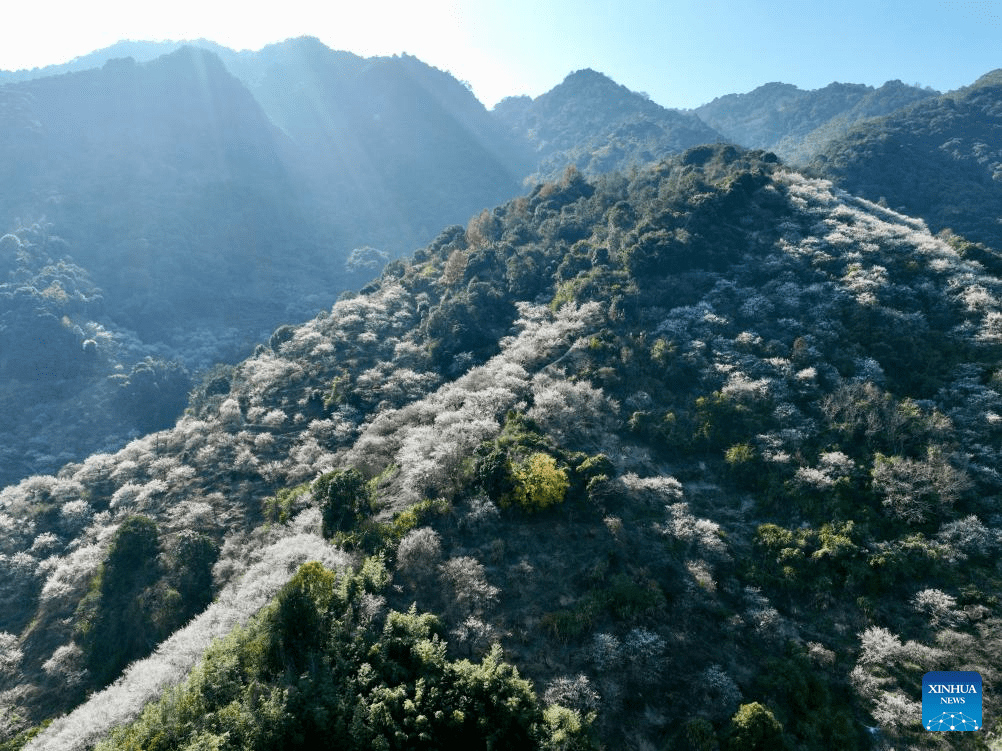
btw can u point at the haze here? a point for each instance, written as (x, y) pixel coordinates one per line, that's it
(682, 53)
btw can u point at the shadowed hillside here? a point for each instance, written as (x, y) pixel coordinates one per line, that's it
(163, 211)
(940, 159)
(796, 124)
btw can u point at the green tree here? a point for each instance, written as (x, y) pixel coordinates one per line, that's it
(754, 728)
(539, 483)
(342, 497)
(115, 619)
(301, 618)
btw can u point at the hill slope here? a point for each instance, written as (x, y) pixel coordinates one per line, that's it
(168, 171)
(716, 431)
(940, 159)
(796, 124)
(158, 210)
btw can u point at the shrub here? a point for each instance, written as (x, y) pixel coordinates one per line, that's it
(723, 419)
(915, 491)
(644, 651)
(700, 736)
(567, 730)
(472, 593)
(566, 625)
(745, 465)
(606, 652)
(10, 655)
(283, 505)
(576, 693)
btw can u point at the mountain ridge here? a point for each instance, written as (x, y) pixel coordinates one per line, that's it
(936, 159)
(796, 123)
(587, 120)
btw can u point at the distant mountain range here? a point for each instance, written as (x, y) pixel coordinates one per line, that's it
(598, 125)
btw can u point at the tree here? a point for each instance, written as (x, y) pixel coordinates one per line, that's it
(539, 484)
(754, 728)
(342, 499)
(419, 553)
(915, 491)
(301, 619)
(116, 622)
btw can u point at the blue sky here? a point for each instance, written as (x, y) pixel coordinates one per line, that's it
(681, 52)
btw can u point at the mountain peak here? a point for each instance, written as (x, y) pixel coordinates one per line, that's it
(992, 78)
(587, 75)
(589, 80)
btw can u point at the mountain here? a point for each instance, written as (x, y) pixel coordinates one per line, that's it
(169, 171)
(198, 215)
(155, 223)
(795, 123)
(139, 50)
(940, 159)
(710, 450)
(598, 125)
(377, 152)
(402, 145)
(381, 137)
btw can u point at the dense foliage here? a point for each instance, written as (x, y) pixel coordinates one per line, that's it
(797, 124)
(325, 666)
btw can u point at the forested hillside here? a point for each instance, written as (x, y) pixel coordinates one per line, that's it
(163, 214)
(940, 159)
(599, 126)
(710, 450)
(797, 124)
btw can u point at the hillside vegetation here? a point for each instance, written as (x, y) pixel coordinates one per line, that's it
(163, 215)
(940, 159)
(710, 450)
(165, 206)
(797, 124)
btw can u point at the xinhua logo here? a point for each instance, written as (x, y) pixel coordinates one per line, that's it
(951, 700)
